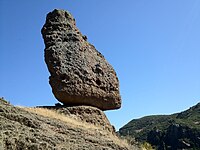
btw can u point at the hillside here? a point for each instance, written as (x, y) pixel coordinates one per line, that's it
(41, 129)
(176, 131)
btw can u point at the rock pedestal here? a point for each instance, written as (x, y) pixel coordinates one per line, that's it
(79, 74)
(85, 114)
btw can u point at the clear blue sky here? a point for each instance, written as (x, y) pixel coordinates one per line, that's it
(153, 45)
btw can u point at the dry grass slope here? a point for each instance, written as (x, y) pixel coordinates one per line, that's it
(75, 123)
(53, 114)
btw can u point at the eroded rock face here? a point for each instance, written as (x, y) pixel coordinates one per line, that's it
(80, 75)
(22, 129)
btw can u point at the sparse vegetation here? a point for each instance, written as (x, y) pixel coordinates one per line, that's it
(4, 101)
(131, 141)
(55, 115)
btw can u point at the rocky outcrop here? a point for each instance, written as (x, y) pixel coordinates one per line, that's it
(87, 114)
(22, 129)
(80, 75)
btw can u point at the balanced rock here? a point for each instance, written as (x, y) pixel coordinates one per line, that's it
(79, 74)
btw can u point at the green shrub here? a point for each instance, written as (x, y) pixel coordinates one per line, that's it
(147, 146)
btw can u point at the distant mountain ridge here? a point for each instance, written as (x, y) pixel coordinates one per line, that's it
(176, 131)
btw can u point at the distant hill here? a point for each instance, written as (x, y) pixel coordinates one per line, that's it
(176, 131)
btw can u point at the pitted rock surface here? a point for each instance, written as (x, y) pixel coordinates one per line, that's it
(79, 74)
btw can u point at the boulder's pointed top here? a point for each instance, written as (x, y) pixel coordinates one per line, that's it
(59, 15)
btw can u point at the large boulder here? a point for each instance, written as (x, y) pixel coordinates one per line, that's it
(79, 74)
